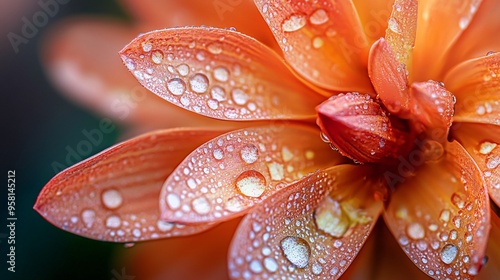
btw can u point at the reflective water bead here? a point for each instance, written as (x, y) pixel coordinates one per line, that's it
(318, 17)
(251, 183)
(111, 198)
(176, 86)
(294, 23)
(199, 83)
(449, 253)
(296, 250)
(249, 153)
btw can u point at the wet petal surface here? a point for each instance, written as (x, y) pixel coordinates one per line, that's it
(313, 229)
(218, 73)
(113, 196)
(440, 214)
(228, 175)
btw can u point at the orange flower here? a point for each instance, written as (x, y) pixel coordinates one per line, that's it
(414, 116)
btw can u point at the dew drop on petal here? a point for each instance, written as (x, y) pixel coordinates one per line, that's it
(221, 74)
(294, 23)
(147, 46)
(215, 48)
(234, 204)
(157, 56)
(458, 200)
(88, 217)
(173, 201)
(201, 205)
(249, 153)
(330, 218)
(449, 253)
(113, 221)
(164, 226)
(239, 96)
(176, 86)
(270, 264)
(296, 250)
(318, 17)
(487, 147)
(415, 231)
(251, 183)
(317, 42)
(255, 266)
(111, 199)
(218, 93)
(199, 83)
(183, 69)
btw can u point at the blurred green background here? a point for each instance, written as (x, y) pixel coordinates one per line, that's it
(37, 124)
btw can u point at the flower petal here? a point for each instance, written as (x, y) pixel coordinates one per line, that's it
(480, 37)
(200, 256)
(476, 85)
(322, 40)
(440, 22)
(217, 13)
(441, 215)
(228, 175)
(315, 226)
(113, 196)
(373, 16)
(389, 78)
(218, 73)
(491, 269)
(401, 31)
(80, 57)
(483, 144)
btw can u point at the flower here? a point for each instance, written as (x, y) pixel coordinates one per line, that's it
(413, 115)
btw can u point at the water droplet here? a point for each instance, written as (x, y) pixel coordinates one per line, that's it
(200, 55)
(493, 162)
(255, 266)
(330, 218)
(239, 96)
(157, 56)
(218, 154)
(296, 250)
(213, 104)
(317, 42)
(432, 150)
(164, 226)
(146, 46)
(458, 199)
(215, 48)
(276, 170)
(88, 217)
(176, 86)
(486, 147)
(199, 83)
(445, 215)
(249, 153)
(113, 221)
(449, 253)
(318, 17)
(234, 204)
(316, 268)
(251, 183)
(136, 232)
(173, 201)
(221, 74)
(294, 23)
(111, 198)
(183, 69)
(415, 231)
(270, 264)
(218, 93)
(394, 25)
(201, 205)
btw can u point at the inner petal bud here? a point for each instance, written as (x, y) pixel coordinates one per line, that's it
(360, 128)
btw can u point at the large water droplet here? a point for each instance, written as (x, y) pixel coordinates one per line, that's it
(318, 17)
(199, 83)
(164, 226)
(111, 198)
(251, 183)
(176, 86)
(88, 217)
(255, 266)
(201, 205)
(113, 221)
(173, 201)
(183, 69)
(221, 74)
(249, 153)
(239, 96)
(415, 231)
(330, 218)
(296, 250)
(234, 204)
(458, 199)
(218, 93)
(146, 46)
(294, 23)
(215, 47)
(157, 57)
(270, 264)
(487, 147)
(449, 253)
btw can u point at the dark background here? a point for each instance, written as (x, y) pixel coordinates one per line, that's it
(37, 123)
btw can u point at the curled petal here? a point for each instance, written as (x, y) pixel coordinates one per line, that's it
(322, 40)
(228, 175)
(440, 213)
(483, 144)
(359, 128)
(440, 22)
(401, 31)
(113, 196)
(218, 73)
(313, 228)
(389, 78)
(431, 108)
(476, 85)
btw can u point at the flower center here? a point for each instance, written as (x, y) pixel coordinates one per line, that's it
(367, 130)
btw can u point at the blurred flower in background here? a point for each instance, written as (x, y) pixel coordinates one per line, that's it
(77, 61)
